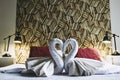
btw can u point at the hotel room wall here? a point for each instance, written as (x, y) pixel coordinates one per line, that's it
(115, 20)
(7, 23)
(6, 10)
(41, 20)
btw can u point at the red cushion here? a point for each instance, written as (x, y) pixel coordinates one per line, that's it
(36, 51)
(90, 53)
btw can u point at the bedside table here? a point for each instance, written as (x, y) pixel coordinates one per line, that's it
(5, 61)
(113, 59)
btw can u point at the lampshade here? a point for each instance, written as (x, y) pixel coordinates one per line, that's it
(107, 38)
(17, 38)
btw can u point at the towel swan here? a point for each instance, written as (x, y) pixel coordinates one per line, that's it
(78, 66)
(57, 54)
(42, 66)
(46, 66)
(72, 53)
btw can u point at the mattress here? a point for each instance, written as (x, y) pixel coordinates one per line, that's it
(12, 72)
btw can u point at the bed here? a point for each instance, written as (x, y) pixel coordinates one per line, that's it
(16, 71)
(16, 75)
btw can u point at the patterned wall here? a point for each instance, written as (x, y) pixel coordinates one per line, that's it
(39, 21)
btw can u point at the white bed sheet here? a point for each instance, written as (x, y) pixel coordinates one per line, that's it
(12, 72)
(108, 68)
(6, 76)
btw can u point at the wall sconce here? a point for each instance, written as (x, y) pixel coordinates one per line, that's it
(16, 40)
(107, 39)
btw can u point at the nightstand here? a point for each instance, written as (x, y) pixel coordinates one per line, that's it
(5, 61)
(113, 59)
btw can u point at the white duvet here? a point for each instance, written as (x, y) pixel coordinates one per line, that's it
(14, 68)
(108, 68)
(104, 70)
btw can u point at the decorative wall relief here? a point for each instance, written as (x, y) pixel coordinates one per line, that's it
(39, 21)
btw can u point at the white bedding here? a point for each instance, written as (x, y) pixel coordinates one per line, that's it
(12, 72)
(108, 69)
(6, 76)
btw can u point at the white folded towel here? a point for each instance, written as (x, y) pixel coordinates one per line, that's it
(41, 66)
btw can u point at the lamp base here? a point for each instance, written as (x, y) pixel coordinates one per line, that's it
(116, 53)
(6, 55)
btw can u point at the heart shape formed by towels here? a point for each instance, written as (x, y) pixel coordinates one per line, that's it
(56, 64)
(62, 59)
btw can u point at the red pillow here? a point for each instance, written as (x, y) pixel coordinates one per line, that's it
(36, 51)
(90, 53)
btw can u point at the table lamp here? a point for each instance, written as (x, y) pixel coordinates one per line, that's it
(107, 39)
(16, 40)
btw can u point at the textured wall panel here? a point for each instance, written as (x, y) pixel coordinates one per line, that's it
(41, 20)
